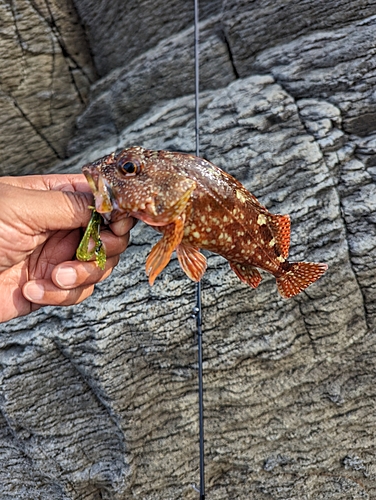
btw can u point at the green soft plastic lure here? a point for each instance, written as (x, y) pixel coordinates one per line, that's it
(92, 232)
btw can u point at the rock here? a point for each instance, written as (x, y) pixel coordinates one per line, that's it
(119, 32)
(130, 90)
(321, 65)
(46, 72)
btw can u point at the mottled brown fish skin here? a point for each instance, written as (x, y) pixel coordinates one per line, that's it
(196, 205)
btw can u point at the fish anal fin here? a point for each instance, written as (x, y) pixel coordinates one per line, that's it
(247, 274)
(280, 226)
(160, 254)
(299, 276)
(191, 261)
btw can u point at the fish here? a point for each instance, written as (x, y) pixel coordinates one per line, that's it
(196, 206)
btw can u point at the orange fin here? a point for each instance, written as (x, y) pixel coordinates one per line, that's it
(298, 276)
(191, 261)
(248, 274)
(160, 254)
(280, 226)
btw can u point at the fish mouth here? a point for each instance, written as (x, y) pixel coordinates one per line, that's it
(103, 196)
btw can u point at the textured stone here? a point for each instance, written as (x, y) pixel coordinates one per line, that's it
(337, 65)
(253, 27)
(120, 31)
(130, 90)
(46, 73)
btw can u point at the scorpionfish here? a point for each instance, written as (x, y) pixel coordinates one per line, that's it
(196, 205)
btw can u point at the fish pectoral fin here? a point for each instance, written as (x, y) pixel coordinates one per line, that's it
(280, 226)
(191, 261)
(247, 274)
(160, 254)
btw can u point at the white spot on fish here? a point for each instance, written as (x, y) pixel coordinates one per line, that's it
(272, 242)
(261, 219)
(280, 258)
(240, 196)
(196, 234)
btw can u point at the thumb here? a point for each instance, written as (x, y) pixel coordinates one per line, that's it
(62, 210)
(43, 210)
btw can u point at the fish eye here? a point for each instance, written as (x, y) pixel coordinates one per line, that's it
(128, 167)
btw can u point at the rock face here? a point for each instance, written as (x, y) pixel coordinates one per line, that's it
(100, 400)
(46, 72)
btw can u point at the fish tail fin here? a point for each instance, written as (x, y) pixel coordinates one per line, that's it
(298, 276)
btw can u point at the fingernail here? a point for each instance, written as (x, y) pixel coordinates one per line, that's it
(33, 291)
(66, 276)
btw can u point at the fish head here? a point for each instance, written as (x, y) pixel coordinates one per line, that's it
(139, 183)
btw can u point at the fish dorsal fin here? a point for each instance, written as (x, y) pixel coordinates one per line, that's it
(280, 227)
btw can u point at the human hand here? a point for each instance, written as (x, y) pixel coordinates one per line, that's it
(40, 228)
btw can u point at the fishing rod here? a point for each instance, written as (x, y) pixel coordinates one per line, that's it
(198, 308)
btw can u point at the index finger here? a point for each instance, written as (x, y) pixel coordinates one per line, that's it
(122, 226)
(49, 182)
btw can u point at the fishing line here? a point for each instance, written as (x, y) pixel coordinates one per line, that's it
(198, 308)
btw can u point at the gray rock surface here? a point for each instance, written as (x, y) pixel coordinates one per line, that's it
(46, 72)
(100, 400)
(130, 90)
(121, 31)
